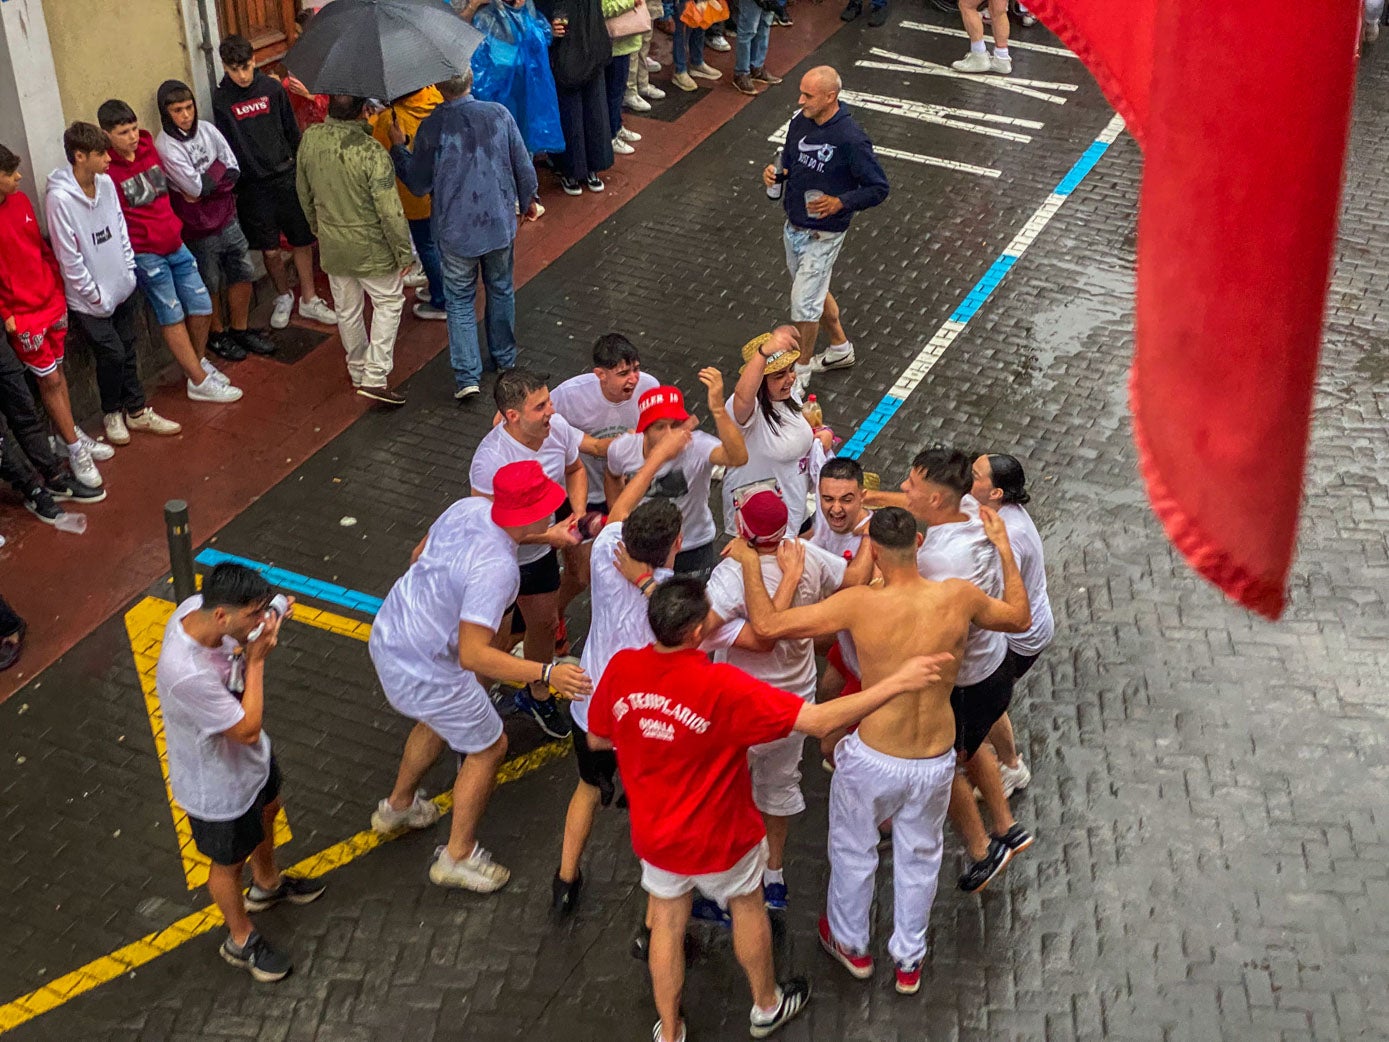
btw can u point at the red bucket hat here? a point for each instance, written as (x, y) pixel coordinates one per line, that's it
(522, 494)
(661, 403)
(762, 518)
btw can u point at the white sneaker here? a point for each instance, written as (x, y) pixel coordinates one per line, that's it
(1000, 66)
(284, 308)
(428, 311)
(116, 431)
(476, 872)
(634, 102)
(212, 391)
(1015, 779)
(630, 136)
(718, 43)
(651, 92)
(151, 422)
(317, 310)
(973, 62)
(621, 148)
(213, 373)
(99, 450)
(416, 277)
(83, 469)
(652, 65)
(464, 393)
(705, 72)
(419, 815)
(832, 360)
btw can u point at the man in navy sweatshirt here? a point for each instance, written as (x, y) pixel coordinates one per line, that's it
(829, 172)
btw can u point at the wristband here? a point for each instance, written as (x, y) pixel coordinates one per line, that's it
(644, 586)
(643, 579)
(545, 672)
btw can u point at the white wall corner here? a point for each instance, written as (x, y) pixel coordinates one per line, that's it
(31, 112)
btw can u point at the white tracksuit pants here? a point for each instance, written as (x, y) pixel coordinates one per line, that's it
(869, 787)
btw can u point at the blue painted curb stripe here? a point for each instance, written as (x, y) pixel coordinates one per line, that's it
(293, 581)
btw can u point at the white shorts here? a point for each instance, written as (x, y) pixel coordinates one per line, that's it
(810, 257)
(776, 776)
(742, 878)
(463, 716)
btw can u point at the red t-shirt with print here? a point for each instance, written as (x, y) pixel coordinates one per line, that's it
(681, 727)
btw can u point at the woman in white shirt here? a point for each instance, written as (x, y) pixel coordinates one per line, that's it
(777, 436)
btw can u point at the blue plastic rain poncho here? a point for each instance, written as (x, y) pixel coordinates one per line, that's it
(512, 67)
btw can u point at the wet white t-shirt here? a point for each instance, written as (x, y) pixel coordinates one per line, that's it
(781, 452)
(961, 550)
(684, 479)
(791, 664)
(467, 573)
(619, 614)
(213, 777)
(1027, 551)
(498, 448)
(580, 401)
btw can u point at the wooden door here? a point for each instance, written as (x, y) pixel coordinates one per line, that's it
(268, 24)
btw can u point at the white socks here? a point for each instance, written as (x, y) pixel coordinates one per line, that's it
(763, 1016)
(977, 46)
(773, 875)
(1001, 52)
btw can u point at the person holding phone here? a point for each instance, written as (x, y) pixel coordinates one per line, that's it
(211, 685)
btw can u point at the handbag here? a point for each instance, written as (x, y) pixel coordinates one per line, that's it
(630, 23)
(701, 14)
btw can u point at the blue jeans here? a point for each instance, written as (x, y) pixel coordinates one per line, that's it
(423, 235)
(754, 33)
(499, 313)
(687, 45)
(172, 285)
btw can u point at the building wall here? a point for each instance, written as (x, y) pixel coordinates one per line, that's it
(116, 49)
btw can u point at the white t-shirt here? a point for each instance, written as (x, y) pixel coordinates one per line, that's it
(467, 573)
(213, 777)
(580, 401)
(684, 479)
(791, 664)
(619, 614)
(498, 448)
(1027, 550)
(781, 452)
(961, 550)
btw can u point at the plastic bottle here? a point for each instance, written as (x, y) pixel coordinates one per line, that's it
(74, 523)
(812, 412)
(779, 185)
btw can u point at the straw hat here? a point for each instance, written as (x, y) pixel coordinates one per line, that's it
(778, 362)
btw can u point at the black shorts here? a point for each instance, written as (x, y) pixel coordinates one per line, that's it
(231, 842)
(1020, 663)
(565, 511)
(540, 576)
(597, 767)
(268, 208)
(978, 707)
(696, 563)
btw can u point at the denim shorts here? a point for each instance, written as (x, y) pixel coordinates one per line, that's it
(810, 259)
(172, 285)
(224, 258)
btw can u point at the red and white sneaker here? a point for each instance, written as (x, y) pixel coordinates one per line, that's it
(860, 964)
(908, 977)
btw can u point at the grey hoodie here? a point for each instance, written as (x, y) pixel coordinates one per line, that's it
(91, 242)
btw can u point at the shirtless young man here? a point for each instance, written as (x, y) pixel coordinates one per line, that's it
(900, 764)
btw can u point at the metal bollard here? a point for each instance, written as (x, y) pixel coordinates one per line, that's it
(180, 536)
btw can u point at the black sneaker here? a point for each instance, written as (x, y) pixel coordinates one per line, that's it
(295, 889)
(547, 714)
(68, 487)
(250, 340)
(594, 183)
(1016, 839)
(256, 956)
(382, 394)
(224, 346)
(571, 186)
(851, 11)
(39, 502)
(564, 897)
(978, 875)
(877, 17)
(795, 993)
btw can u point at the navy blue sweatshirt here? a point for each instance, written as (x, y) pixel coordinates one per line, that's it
(837, 158)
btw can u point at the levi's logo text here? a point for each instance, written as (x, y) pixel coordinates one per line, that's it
(254, 107)
(660, 715)
(814, 155)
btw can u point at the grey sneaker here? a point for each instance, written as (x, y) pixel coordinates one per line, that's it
(419, 815)
(256, 956)
(477, 872)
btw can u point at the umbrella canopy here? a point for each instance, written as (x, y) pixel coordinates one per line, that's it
(382, 48)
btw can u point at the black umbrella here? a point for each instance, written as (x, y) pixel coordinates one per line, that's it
(382, 48)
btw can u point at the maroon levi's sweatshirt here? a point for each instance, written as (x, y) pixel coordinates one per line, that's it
(144, 193)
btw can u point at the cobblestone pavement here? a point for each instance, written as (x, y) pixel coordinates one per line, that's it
(1213, 854)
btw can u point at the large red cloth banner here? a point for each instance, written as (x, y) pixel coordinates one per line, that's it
(1243, 114)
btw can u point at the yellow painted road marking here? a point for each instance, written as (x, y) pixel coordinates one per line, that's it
(123, 960)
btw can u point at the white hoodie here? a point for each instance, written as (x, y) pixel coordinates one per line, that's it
(91, 242)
